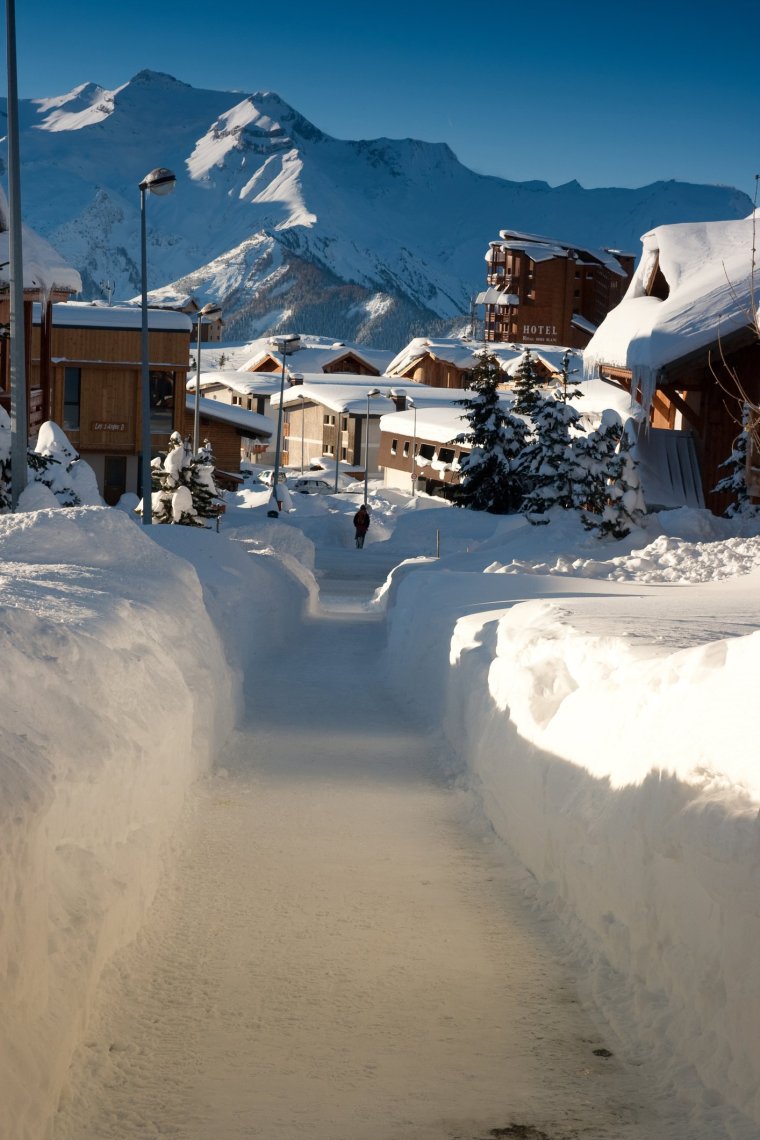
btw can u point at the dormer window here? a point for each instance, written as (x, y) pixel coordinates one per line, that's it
(657, 286)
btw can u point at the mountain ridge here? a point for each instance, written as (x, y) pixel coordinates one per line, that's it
(262, 194)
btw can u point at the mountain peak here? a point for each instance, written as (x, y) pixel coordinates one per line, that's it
(146, 77)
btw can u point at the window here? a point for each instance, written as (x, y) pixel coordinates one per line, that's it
(114, 478)
(394, 446)
(446, 454)
(406, 449)
(427, 451)
(343, 453)
(161, 402)
(344, 423)
(72, 389)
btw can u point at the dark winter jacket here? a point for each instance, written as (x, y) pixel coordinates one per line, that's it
(361, 521)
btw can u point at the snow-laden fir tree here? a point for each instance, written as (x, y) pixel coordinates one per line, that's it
(5, 462)
(182, 485)
(527, 394)
(608, 489)
(489, 477)
(56, 465)
(550, 464)
(734, 482)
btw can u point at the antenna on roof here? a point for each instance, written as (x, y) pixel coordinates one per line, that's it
(108, 288)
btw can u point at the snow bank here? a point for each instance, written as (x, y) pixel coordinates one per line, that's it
(116, 691)
(624, 775)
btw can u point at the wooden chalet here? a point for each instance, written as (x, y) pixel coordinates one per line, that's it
(686, 344)
(234, 433)
(211, 327)
(444, 363)
(542, 291)
(330, 419)
(422, 452)
(47, 280)
(318, 354)
(87, 363)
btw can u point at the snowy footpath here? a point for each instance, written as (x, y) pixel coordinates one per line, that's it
(345, 951)
(474, 854)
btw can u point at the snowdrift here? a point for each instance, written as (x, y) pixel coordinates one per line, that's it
(117, 689)
(619, 762)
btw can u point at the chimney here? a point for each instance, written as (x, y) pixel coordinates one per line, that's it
(398, 395)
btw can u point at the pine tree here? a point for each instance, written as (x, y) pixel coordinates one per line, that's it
(528, 398)
(6, 500)
(599, 465)
(550, 464)
(735, 481)
(489, 476)
(184, 490)
(626, 507)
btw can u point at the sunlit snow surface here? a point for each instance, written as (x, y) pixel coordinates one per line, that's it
(600, 696)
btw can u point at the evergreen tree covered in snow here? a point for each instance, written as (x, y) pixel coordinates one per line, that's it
(55, 464)
(5, 461)
(551, 463)
(608, 486)
(734, 482)
(489, 476)
(528, 397)
(184, 491)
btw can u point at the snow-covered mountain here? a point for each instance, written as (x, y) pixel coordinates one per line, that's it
(367, 240)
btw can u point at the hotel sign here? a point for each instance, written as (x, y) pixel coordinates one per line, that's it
(537, 334)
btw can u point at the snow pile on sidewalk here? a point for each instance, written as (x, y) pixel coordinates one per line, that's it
(623, 774)
(117, 689)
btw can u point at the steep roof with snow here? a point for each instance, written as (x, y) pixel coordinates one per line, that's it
(43, 266)
(706, 268)
(317, 353)
(439, 424)
(228, 414)
(96, 314)
(539, 248)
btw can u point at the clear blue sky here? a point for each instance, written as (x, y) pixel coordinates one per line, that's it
(605, 93)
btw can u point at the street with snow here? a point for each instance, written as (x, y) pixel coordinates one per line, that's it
(374, 845)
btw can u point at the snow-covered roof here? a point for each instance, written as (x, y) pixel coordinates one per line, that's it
(43, 266)
(461, 353)
(242, 383)
(707, 267)
(494, 296)
(96, 314)
(229, 414)
(351, 398)
(581, 322)
(539, 248)
(316, 353)
(439, 424)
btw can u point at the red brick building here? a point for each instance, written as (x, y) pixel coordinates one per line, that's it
(542, 291)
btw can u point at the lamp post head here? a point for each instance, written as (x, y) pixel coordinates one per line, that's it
(285, 344)
(374, 392)
(160, 181)
(210, 310)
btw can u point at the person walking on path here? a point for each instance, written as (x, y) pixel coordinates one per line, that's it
(361, 525)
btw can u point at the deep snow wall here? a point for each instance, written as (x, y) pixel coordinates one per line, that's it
(654, 873)
(117, 691)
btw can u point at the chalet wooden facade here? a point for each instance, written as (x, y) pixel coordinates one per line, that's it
(234, 433)
(422, 453)
(541, 291)
(685, 342)
(322, 419)
(436, 363)
(88, 367)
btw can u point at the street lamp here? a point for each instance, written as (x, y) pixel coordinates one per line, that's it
(161, 182)
(411, 404)
(213, 311)
(370, 393)
(285, 345)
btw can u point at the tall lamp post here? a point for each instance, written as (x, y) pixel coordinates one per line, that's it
(370, 393)
(213, 311)
(19, 412)
(161, 182)
(285, 345)
(411, 404)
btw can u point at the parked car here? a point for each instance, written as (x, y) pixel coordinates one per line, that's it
(267, 476)
(312, 486)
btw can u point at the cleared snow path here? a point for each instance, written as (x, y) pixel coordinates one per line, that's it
(345, 952)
